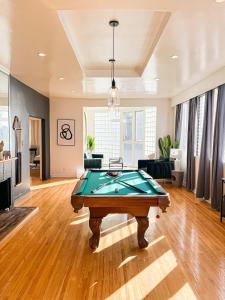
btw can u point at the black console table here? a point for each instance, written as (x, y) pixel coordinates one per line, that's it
(157, 168)
(222, 200)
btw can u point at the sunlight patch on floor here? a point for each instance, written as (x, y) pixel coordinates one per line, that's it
(52, 184)
(117, 226)
(185, 293)
(79, 216)
(122, 224)
(151, 276)
(76, 222)
(128, 259)
(116, 236)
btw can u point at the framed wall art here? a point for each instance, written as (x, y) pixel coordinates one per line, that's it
(66, 132)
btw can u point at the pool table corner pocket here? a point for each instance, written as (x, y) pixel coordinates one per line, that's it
(76, 203)
(163, 204)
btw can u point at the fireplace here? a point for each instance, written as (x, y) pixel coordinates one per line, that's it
(5, 194)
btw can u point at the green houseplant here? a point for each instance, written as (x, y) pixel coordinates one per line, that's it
(1, 150)
(165, 144)
(90, 140)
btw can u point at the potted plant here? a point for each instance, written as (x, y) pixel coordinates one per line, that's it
(165, 144)
(1, 150)
(90, 140)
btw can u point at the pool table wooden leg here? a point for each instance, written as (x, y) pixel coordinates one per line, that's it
(95, 224)
(143, 224)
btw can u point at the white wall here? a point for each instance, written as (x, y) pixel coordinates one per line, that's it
(209, 83)
(68, 161)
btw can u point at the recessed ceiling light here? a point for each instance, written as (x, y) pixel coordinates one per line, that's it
(61, 78)
(174, 56)
(220, 1)
(41, 54)
(157, 79)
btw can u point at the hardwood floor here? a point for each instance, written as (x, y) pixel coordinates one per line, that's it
(49, 257)
(11, 221)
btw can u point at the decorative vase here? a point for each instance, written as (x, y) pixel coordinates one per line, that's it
(89, 154)
(1, 155)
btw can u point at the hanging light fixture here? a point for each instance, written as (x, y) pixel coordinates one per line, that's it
(113, 97)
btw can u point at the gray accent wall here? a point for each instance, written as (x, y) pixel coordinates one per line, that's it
(26, 102)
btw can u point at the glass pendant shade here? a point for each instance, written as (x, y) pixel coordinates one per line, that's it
(113, 97)
(114, 113)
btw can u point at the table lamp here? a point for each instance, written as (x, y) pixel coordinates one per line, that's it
(176, 154)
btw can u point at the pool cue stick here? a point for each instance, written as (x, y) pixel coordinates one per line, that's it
(130, 185)
(105, 184)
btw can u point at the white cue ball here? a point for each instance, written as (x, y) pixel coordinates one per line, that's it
(116, 190)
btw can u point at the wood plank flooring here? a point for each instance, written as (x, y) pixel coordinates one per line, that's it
(49, 257)
(12, 220)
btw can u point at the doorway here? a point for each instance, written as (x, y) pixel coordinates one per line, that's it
(35, 148)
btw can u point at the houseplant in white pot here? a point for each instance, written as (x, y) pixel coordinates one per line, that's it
(1, 150)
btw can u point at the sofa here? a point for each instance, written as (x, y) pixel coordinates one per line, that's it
(157, 168)
(93, 162)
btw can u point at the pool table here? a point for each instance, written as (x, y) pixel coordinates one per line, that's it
(132, 192)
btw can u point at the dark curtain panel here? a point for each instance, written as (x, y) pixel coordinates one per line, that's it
(190, 175)
(178, 122)
(218, 149)
(203, 183)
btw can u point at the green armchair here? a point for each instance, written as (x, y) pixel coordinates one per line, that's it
(95, 162)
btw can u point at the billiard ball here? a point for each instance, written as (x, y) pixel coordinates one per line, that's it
(116, 190)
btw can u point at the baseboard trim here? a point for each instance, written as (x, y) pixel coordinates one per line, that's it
(63, 175)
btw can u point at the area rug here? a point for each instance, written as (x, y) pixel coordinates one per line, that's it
(12, 220)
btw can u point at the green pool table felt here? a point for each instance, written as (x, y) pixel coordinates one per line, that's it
(138, 178)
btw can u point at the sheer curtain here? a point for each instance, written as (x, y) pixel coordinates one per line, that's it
(203, 183)
(178, 121)
(183, 138)
(218, 149)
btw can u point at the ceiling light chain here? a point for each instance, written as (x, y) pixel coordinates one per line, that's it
(113, 97)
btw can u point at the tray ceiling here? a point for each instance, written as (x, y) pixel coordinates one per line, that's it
(77, 41)
(135, 39)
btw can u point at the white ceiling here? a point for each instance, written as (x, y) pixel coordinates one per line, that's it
(91, 38)
(77, 40)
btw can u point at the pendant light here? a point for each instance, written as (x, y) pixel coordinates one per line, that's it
(113, 96)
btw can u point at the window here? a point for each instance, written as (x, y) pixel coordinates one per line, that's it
(140, 125)
(4, 126)
(215, 95)
(127, 150)
(107, 136)
(183, 138)
(199, 124)
(132, 136)
(127, 126)
(200, 120)
(138, 151)
(4, 110)
(150, 130)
